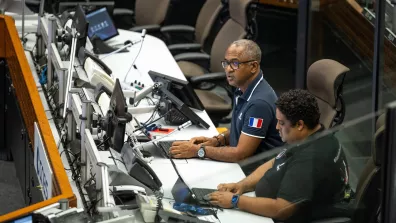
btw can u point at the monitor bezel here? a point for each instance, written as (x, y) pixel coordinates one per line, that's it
(185, 84)
(111, 19)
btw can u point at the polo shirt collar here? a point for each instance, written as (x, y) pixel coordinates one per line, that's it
(252, 86)
(322, 128)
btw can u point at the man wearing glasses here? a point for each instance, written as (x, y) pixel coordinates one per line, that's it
(253, 125)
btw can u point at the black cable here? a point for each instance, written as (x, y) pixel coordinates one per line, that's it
(104, 141)
(158, 195)
(93, 204)
(115, 195)
(146, 124)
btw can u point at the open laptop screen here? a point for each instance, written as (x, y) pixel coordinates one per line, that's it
(101, 24)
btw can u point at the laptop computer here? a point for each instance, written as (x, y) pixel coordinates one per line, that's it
(101, 24)
(183, 193)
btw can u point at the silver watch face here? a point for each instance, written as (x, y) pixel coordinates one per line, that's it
(201, 153)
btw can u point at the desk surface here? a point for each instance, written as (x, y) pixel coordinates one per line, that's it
(155, 56)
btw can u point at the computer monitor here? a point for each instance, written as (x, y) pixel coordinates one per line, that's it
(30, 218)
(26, 219)
(117, 117)
(87, 6)
(81, 25)
(180, 88)
(101, 24)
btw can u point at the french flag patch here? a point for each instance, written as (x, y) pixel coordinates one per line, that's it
(255, 122)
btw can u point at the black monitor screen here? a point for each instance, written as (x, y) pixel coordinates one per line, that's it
(81, 25)
(181, 89)
(25, 219)
(119, 109)
(101, 24)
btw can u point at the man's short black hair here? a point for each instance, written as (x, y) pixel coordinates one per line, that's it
(298, 105)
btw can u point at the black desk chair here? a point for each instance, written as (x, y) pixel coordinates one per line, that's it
(363, 208)
(184, 38)
(325, 79)
(148, 14)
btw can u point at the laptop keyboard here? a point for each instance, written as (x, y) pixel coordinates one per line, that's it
(201, 192)
(165, 146)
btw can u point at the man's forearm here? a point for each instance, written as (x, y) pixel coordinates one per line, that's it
(259, 205)
(250, 181)
(226, 154)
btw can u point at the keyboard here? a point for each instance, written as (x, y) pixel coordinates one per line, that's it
(201, 192)
(165, 146)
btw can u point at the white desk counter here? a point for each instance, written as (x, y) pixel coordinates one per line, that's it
(196, 173)
(154, 56)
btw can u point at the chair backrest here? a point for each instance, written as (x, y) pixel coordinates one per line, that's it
(151, 12)
(235, 28)
(324, 80)
(209, 13)
(367, 198)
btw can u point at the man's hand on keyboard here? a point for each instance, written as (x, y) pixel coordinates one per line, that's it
(237, 188)
(221, 199)
(204, 140)
(184, 150)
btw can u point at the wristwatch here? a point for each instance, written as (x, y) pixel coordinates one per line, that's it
(201, 152)
(234, 200)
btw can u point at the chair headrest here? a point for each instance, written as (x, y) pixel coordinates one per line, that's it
(379, 140)
(238, 10)
(321, 78)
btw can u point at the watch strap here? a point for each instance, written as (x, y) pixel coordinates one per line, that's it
(234, 200)
(202, 148)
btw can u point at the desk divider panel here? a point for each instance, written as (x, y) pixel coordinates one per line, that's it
(32, 111)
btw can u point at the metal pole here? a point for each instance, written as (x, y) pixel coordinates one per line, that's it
(71, 66)
(388, 214)
(62, 85)
(71, 125)
(378, 62)
(39, 40)
(84, 158)
(51, 38)
(393, 17)
(304, 14)
(23, 21)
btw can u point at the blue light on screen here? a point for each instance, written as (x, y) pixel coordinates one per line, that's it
(27, 219)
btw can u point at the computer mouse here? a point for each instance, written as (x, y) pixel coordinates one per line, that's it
(206, 197)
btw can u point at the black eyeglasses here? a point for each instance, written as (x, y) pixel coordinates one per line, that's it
(234, 63)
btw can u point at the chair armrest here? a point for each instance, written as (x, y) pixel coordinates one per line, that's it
(123, 12)
(32, 2)
(149, 28)
(178, 34)
(334, 220)
(177, 28)
(192, 57)
(211, 77)
(184, 48)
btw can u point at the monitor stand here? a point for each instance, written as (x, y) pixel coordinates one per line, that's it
(100, 47)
